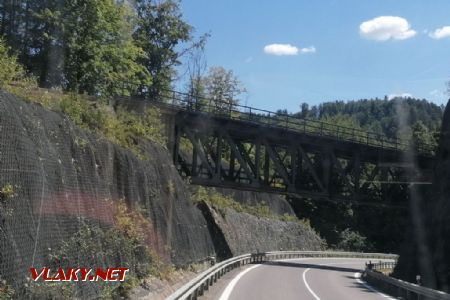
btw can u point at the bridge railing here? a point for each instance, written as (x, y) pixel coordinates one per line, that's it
(197, 286)
(232, 110)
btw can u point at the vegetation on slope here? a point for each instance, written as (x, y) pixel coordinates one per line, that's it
(122, 127)
(221, 202)
(124, 244)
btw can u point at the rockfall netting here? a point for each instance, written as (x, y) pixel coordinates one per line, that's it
(71, 198)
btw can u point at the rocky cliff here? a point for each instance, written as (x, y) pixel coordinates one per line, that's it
(277, 203)
(54, 177)
(245, 233)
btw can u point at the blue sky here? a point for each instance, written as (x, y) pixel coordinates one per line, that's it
(327, 50)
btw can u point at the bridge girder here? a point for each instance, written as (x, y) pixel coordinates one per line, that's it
(241, 155)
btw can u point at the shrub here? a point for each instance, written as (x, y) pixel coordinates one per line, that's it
(6, 192)
(122, 127)
(352, 241)
(10, 69)
(83, 112)
(125, 244)
(6, 291)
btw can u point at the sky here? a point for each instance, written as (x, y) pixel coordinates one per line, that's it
(292, 51)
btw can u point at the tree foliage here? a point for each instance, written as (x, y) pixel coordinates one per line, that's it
(100, 56)
(98, 47)
(160, 30)
(382, 116)
(223, 86)
(10, 69)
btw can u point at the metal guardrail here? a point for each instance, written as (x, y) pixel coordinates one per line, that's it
(234, 111)
(399, 288)
(197, 286)
(382, 265)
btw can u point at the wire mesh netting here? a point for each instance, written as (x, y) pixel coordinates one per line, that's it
(69, 198)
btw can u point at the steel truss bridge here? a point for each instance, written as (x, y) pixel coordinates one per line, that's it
(234, 146)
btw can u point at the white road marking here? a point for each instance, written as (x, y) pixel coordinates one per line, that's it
(227, 292)
(357, 276)
(307, 285)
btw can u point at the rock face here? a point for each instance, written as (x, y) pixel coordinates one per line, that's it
(54, 176)
(61, 174)
(427, 247)
(245, 233)
(276, 203)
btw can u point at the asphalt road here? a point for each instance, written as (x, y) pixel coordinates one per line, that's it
(308, 279)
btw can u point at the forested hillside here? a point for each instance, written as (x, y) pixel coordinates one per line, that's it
(352, 226)
(423, 118)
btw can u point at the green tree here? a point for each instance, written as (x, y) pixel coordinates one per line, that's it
(223, 86)
(100, 56)
(304, 110)
(422, 136)
(196, 67)
(160, 30)
(81, 45)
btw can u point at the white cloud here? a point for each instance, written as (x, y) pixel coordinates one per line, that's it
(385, 28)
(287, 49)
(281, 49)
(310, 49)
(401, 95)
(440, 33)
(249, 59)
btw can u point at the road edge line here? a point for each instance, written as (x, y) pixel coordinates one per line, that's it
(307, 285)
(227, 292)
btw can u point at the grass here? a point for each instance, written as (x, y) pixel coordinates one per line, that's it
(94, 114)
(261, 210)
(91, 113)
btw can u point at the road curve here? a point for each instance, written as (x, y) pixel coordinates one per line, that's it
(306, 278)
